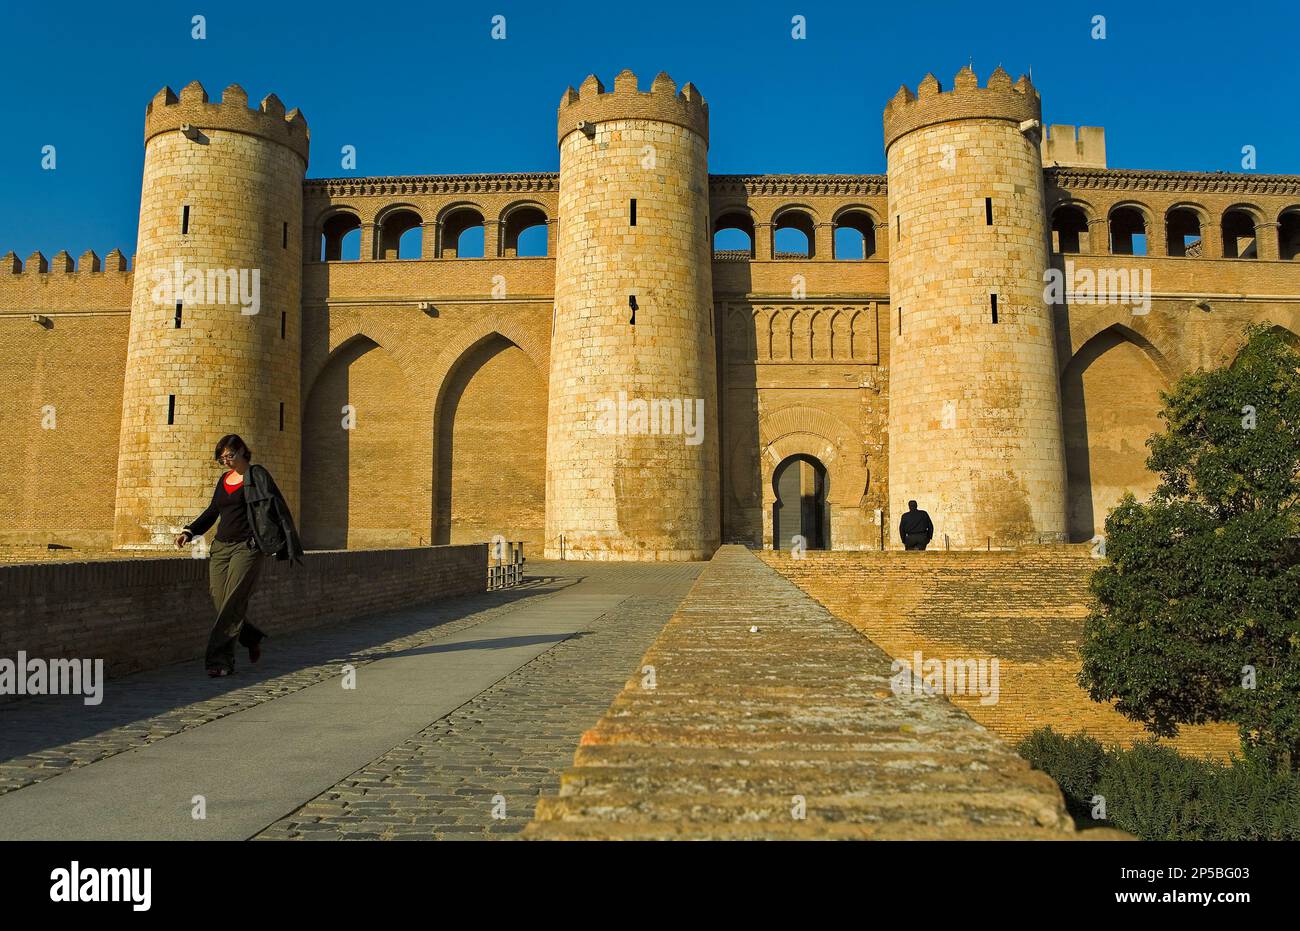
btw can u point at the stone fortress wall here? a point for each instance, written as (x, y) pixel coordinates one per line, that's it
(444, 361)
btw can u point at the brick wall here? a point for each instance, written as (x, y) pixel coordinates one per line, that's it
(62, 385)
(492, 448)
(147, 612)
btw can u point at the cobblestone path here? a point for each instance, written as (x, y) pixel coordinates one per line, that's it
(511, 740)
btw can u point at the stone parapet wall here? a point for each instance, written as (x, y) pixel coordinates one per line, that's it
(142, 613)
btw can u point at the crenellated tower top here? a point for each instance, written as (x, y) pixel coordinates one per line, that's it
(168, 112)
(999, 99)
(591, 103)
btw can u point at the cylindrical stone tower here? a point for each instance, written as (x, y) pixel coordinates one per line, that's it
(632, 435)
(974, 409)
(215, 336)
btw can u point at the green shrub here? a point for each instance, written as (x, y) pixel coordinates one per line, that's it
(1154, 793)
(1073, 761)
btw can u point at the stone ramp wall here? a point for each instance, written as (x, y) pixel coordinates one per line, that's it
(740, 724)
(1025, 607)
(146, 612)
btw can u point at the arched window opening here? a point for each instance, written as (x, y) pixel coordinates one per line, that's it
(1288, 235)
(462, 234)
(855, 236)
(793, 236)
(1069, 230)
(1128, 232)
(341, 238)
(1239, 235)
(733, 236)
(400, 235)
(1183, 232)
(525, 233)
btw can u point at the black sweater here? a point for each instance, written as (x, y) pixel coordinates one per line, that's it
(229, 506)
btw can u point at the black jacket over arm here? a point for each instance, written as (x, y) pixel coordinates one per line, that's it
(268, 515)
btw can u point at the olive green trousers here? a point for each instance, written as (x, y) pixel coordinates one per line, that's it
(233, 570)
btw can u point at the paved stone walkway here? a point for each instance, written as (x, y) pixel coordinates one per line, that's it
(41, 738)
(508, 737)
(478, 772)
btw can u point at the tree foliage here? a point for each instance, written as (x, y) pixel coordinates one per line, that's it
(1196, 614)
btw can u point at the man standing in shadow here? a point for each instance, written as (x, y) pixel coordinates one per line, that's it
(915, 529)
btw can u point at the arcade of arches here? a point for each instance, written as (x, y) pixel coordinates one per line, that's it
(480, 469)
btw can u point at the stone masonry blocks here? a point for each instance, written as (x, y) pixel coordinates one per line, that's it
(632, 495)
(974, 419)
(228, 370)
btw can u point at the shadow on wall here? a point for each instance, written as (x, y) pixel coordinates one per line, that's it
(1110, 395)
(737, 364)
(326, 464)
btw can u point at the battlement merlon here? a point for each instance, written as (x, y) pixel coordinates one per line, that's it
(167, 112)
(88, 264)
(1000, 99)
(1063, 148)
(591, 103)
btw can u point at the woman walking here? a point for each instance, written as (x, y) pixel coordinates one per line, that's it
(254, 523)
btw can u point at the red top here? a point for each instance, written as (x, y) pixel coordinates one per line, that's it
(228, 484)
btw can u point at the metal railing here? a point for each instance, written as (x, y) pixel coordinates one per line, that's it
(506, 566)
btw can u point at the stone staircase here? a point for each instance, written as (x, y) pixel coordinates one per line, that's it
(1026, 607)
(787, 731)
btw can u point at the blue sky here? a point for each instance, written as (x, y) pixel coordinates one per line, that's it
(423, 88)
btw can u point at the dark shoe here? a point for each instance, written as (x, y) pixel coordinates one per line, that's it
(217, 672)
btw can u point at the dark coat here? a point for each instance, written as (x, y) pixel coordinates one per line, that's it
(916, 522)
(269, 517)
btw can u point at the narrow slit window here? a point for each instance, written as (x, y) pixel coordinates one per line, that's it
(900, 321)
(185, 220)
(631, 302)
(284, 320)
(171, 409)
(284, 243)
(993, 304)
(988, 211)
(632, 212)
(179, 307)
(898, 226)
(281, 415)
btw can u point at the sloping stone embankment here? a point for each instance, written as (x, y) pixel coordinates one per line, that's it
(789, 732)
(1026, 607)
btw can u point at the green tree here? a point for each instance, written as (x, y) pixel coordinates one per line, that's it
(1201, 585)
